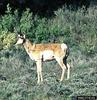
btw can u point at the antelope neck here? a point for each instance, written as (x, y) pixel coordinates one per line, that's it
(27, 45)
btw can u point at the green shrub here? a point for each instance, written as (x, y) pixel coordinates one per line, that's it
(41, 30)
(7, 39)
(26, 22)
(76, 28)
(7, 21)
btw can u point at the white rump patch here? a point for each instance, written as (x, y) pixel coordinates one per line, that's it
(47, 55)
(63, 46)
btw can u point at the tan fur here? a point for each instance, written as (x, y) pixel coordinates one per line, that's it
(43, 52)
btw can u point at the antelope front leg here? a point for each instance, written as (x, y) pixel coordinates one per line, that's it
(39, 71)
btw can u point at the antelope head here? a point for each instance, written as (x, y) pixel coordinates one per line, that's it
(20, 39)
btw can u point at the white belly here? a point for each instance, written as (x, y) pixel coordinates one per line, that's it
(47, 55)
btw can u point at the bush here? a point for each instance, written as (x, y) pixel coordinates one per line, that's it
(76, 28)
(7, 40)
(26, 23)
(41, 30)
(7, 22)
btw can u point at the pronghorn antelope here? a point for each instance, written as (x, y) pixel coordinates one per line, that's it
(45, 52)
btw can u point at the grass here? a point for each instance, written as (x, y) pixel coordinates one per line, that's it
(18, 78)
